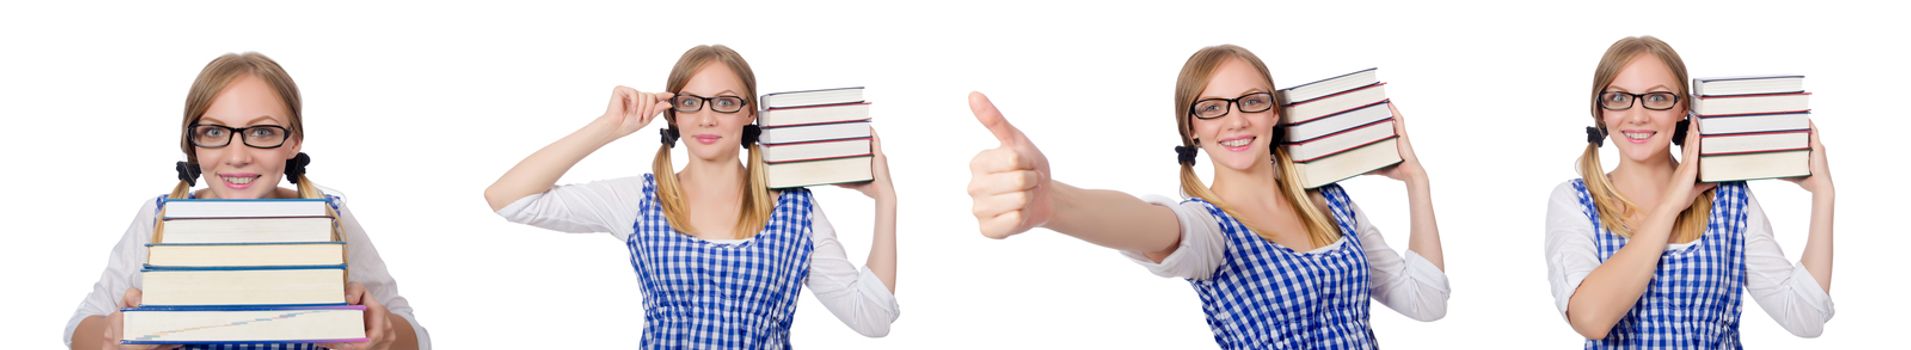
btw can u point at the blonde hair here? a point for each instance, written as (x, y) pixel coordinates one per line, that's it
(214, 78)
(757, 199)
(1194, 77)
(1615, 209)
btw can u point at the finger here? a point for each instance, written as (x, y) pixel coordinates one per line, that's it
(131, 299)
(992, 119)
(1004, 182)
(1000, 160)
(1002, 226)
(1002, 202)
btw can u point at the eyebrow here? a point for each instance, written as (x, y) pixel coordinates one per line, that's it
(1650, 89)
(254, 121)
(1250, 91)
(719, 93)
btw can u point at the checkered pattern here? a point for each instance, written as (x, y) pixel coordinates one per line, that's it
(1266, 296)
(1693, 301)
(701, 294)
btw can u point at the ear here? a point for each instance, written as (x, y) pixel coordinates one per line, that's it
(293, 146)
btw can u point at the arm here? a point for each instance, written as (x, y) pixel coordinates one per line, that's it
(882, 248)
(1424, 238)
(388, 314)
(629, 111)
(1413, 285)
(1013, 192)
(92, 325)
(1790, 294)
(1611, 289)
(1817, 257)
(862, 298)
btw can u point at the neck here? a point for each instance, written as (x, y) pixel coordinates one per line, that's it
(1639, 180)
(713, 176)
(1249, 187)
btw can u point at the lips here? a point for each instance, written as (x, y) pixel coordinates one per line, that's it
(1637, 136)
(1237, 144)
(238, 181)
(708, 139)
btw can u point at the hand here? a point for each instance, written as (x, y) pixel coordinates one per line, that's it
(1408, 170)
(1685, 186)
(116, 325)
(631, 110)
(879, 188)
(1820, 180)
(378, 325)
(1009, 184)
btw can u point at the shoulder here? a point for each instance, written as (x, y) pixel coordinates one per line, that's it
(1568, 191)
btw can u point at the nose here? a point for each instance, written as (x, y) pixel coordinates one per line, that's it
(237, 154)
(705, 117)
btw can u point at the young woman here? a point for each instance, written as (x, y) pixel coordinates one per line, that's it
(242, 130)
(1276, 265)
(720, 256)
(1646, 256)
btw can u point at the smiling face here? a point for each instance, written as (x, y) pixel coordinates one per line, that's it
(713, 135)
(1237, 140)
(237, 170)
(1643, 134)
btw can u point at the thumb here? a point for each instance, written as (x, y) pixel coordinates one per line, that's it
(131, 299)
(991, 118)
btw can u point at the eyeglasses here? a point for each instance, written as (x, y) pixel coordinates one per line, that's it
(687, 103)
(257, 136)
(1218, 107)
(1621, 100)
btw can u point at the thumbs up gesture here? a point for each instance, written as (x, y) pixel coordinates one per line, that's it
(1010, 184)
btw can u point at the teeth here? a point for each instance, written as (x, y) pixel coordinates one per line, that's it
(1637, 135)
(239, 180)
(1237, 143)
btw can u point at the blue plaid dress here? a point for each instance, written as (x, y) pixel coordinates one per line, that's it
(703, 294)
(1266, 296)
(1693, 301)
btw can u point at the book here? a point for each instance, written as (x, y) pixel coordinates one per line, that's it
(245, 254)
(811, 115)
(1748, 85)
(245, 208)
(1711, 145)
(812, 133)
(1297, 113)
(816, 150)
(1752, 127)
(1345, 140)
(1339, 127)
(1751, 123)
(243, 285)
(1320, 88)
(812, 97)
(247, 230)
(819, 172)
(1706, 106)
(1340, 121)
(1344, 165)
(1753, 166)
(197, 326)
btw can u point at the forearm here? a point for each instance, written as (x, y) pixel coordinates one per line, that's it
(1611, 289)
(90, 333)
(1115, 220)
(882, 250)
(404, 336)
(1818, 246)
(538, 172)
(1424, 238)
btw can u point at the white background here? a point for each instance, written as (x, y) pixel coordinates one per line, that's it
(412, 110)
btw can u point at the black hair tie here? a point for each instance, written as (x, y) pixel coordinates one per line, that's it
(188, 172)
(295, 167)
(1185, 154)
(750, 134)
(669, 136)
(1595, 136)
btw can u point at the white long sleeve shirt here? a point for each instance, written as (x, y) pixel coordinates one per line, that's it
(363, 265)
(1409, 285)
(856, 296)
(1788, 293)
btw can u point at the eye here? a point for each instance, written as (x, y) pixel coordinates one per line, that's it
(727, 102)
(262, 132)
(1617, 97)
(1255, 101)
(212, 131)
(688, 101)
(1659, 98)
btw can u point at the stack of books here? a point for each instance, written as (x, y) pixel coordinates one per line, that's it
(1752, 127)
(815, 137)
(244, 271)
(1339, 127)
